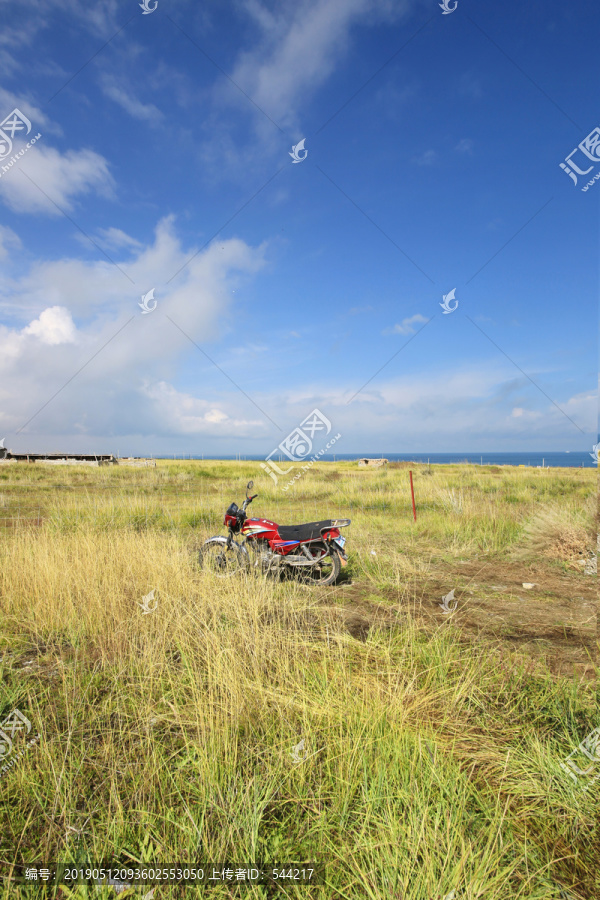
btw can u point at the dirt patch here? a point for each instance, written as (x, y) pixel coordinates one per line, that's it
(358, 627)
(554, 622)
(572, 544)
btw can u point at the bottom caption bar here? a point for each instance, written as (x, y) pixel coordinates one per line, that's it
(178, 873)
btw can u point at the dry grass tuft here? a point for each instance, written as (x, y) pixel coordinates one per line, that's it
(554, 533)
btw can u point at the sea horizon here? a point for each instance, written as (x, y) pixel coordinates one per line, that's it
(533, 458)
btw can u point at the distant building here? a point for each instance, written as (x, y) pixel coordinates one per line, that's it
(59, 459)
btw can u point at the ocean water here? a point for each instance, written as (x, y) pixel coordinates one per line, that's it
(549, 458)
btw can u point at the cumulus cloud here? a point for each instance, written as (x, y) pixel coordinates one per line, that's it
(38, 178)
(407, 325)
(83, 317)
(54, 326)
(101, 289)
(128, 386)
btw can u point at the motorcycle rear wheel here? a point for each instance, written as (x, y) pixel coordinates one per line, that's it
(221, 560)
(324, 573)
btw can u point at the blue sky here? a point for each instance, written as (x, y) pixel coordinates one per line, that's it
(433, 148)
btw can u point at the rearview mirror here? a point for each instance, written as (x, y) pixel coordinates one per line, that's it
(250, 485)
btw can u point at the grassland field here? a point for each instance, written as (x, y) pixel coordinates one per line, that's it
(409, 753)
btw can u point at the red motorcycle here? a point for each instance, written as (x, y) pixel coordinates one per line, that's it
(314, 550)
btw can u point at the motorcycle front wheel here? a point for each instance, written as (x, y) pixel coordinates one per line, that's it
(215, 556)
(325, 572)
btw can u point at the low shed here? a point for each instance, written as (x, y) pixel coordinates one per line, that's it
(59, 459)
(372, 463)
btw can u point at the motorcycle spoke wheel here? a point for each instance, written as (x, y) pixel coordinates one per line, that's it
(221, 560)
(324, 573)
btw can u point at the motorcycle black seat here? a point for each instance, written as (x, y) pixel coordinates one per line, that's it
(307, 532)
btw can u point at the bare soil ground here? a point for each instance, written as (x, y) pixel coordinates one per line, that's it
(554, 623)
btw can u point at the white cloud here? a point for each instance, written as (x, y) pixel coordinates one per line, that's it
(406, 326)
(147, 112)
(53, 176)
(414, 413)
(130, 389)
(122, 357)
(54, 326)
(465, 145)
(425, 159)
(249, 350)
(8, 241)
(301, 44)
(36, 13)
(39, 120)
(99, 289)
(12, 42)
(114, 238)
(180, 413)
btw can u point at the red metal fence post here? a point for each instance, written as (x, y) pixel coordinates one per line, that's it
(412, 492)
